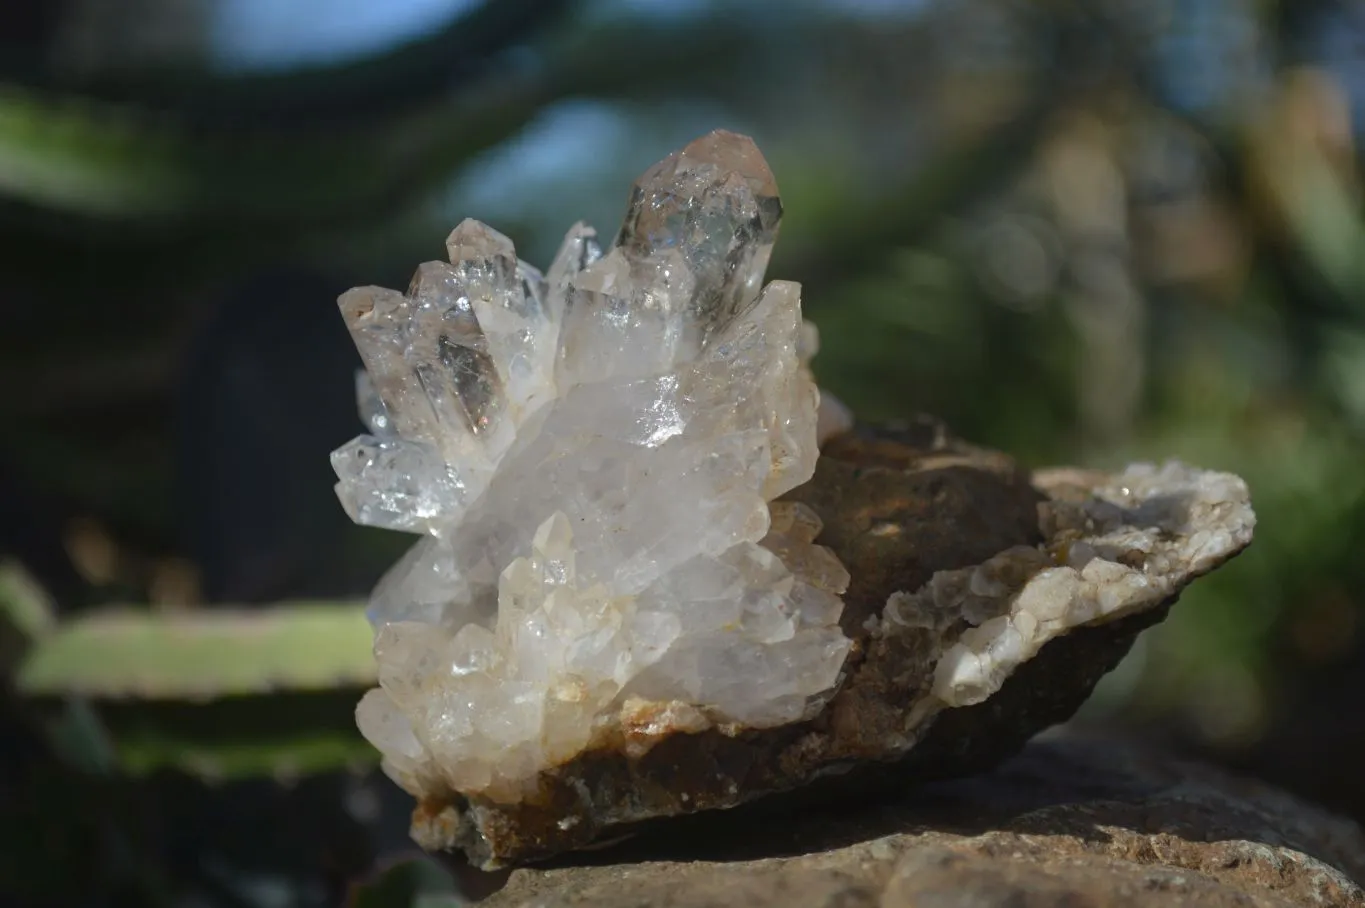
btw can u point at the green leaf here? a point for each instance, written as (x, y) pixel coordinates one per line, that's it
(24, 605)
(26, 615)
(81, 740)
(284, 736)
(304, 646)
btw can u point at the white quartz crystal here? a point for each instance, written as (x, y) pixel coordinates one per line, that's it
(1125, 547)
(590, 456)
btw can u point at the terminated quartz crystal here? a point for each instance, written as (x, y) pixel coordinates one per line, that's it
(591, 457)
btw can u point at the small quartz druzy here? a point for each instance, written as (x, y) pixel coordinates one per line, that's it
(590, 456)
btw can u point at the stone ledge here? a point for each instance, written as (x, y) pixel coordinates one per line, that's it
(1072, 821)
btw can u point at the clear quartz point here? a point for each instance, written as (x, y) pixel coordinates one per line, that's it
(716, 204)
(592, 456)
(448, 351)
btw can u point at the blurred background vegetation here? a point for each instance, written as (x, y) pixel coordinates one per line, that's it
(1083, 231)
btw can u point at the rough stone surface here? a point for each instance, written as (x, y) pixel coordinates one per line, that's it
(1070, 823)
(899, 508)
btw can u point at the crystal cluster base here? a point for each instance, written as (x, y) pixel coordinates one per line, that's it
(985, 603)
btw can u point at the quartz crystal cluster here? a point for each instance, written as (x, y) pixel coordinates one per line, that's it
(591, 457)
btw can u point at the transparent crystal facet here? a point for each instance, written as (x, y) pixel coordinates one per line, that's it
(592, 455)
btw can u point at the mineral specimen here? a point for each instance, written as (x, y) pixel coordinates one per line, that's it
(591, 455)
(644, 590)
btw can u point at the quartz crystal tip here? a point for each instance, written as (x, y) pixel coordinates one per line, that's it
(721, 176)
(715, 205)
(474, 241)
(735, 153)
